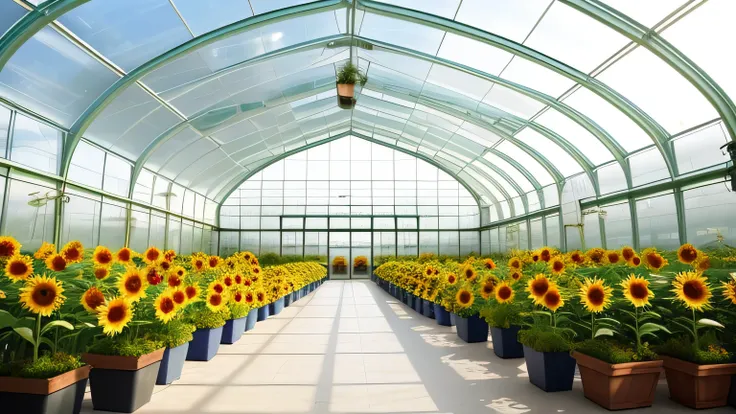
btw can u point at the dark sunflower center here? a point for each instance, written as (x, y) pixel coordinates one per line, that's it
(689, 255)
(228, 281)
(552, 299)
(540, 287)
(104, 257)
(199, 264)
(174, 281)
(249, 298)
(124, 255)
(558, 266)
(596, 257)
(613, 257)
(218, 288)
(516, 276)
(504, 293)
(468, 273)
(72, 254)
(515, 263)
(133, 284)
(7, 249)
(100, 273)
(596, 296)
(451, 279)
(654, 260)
(167, 305)
(58, 263)
(116, 314)
(191, 292)
(464, 297)
(179, 297)
(44, 295)
(628, 254)
(213, 262)
(94, 299)
(260, 297)
(545, 255)
(487, 289)
(18, 268)
(152, 255)
(215, 300)
(238, 297)
(636, 261)
(693, 290)
(638, 290)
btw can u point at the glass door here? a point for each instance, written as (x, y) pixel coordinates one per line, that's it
(360, 253)
(339, 255)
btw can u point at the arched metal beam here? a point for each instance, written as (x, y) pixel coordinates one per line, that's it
(653, 42)
(641, 118)
(529, 176)
(31, 23)
(89, 115)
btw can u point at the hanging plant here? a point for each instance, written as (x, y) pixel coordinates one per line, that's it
(347, 77)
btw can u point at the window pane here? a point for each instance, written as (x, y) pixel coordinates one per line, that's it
(36, 145)
(87, 164)
(618, 226)
(657, 218)
(709, 215)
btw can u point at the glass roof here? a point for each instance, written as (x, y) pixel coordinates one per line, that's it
(508, 97)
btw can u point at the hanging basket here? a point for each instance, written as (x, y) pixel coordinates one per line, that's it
(346, 95)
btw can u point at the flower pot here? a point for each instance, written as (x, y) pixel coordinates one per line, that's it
(441, 315)
(346, 90)
(62, 394)
(453, 319)
(205, 344)
(698, 386)
(472, 329)
(172, 364)
(410, 299)
(506, 343)
(233, 330)
(618, 386)
(550, 371)
(250, 320)
(428, 309)
(287, 300)
(276, 307)
(418, 304)
(263, 313)
(122, 384)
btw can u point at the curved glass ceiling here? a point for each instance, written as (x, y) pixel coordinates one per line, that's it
(511, 98)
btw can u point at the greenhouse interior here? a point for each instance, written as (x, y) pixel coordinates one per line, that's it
(367, 206)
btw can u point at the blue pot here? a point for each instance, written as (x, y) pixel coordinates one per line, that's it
(505, 342)
(250, 320)
(418, 305)
(276, 307)
(171, 364)
(287, 300)
(472, 329)
(441, 315)
(410, 299)
(550, 371)
(452, 319)
(428, 309)
(263, 313)
(233, 330)
(205, 344)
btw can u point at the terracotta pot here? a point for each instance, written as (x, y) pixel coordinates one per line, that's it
(698, 386)
(61, 394)
(618, 386)
(121, 362)
(346, 90)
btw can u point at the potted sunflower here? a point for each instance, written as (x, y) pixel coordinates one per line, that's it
(240, 307)
(446, 282)
(622, 371)
(504, 316)
(470, 326)
(339, 265)
(698, 368)
(208, 317)
(360, 265)
(45, 377)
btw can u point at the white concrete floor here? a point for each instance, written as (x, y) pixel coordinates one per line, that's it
(351, 348)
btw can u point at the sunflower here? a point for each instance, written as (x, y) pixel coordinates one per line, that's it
(180, 296)
(124, 255)
(451, 278)
(169, 255)
(228, 281)
(515, 276)
(557, 265)
(197, 263)
(237, 297)
(687, 253)
(489, 264)
(101, 272)
(464, 298)
(192, 292)
(215, 301)
(537, 287)
(515, 263)
(692, 289)
(653, 260)
(504, 293)
(249, 297)
(612, 257)
(628, 253)
(55, 263)
(576, 256)
(702, 263)
(487, 288)
(635, 261)
(179, 271)
(469, 273)
(19, 268)
(173, 280)
(102, 256)
(595, 295)
(165, 265)
(3, 295)
(133, 285)
(165, 307)
(256, 270)
(92, 299)
(545, 254)
(261, 296)
(73, 252)
(216, 286)
(46, 250)
(636, 290)
(152, 255)
(152, 275)
(535, 257)
(42, 295)
(213, 261)
(729, 291)
(247, 281)
(9, 247)
(238, 279)
(429, 270)
(553, 300)
(596, 255)
(114, 316)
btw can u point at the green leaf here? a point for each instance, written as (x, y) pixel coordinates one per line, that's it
(6, 319)
(50, 343)
(603, 332)
(610, 320)
(650, 327)
(52, 324)
(710, 322)
(25, 333)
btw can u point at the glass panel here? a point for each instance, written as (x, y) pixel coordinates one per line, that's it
(659, 90)
(537, 240)
(157, 235)
(611, 178)
(128, 32)
(264, 6)
(523, 158)
(579, 137)
(139, 223)
(512, 102)
(709, 216)
(315, 244)
(618, 226)
(186, 238)
(87, 165)
(515, 174)
(647, 13)
(657, 219)
(31, 223)
(592, 230)
(552, 225)
(473, 53)
(117, 176)
(36, 145)
(4, 128)
(449, 243)
(112, 225)
(9, 14)
(537, 77)
(81, 219)
(428, 242)
(701, 148)
(173, 240)
(401, 33)
(61, 94)
(647, 167)
(203, 16)
(444, 8)
(229, 243)
(508, 18)
(564, 162)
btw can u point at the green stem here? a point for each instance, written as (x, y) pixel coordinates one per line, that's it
(592, 325)
(37, 338)
(638, 337)
(695, 331)
(554, 320)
